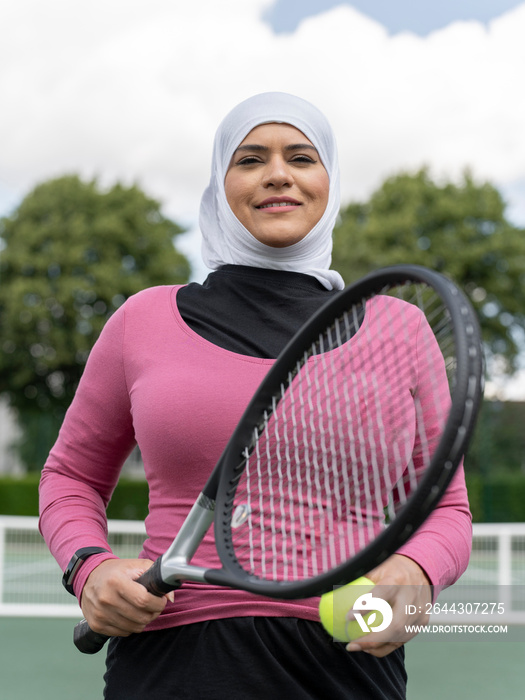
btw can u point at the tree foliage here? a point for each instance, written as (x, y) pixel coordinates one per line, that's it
(457, 229)
(69, 256)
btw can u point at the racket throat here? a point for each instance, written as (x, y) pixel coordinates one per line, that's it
(175, 563)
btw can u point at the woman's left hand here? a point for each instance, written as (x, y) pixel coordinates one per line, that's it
(402, 583)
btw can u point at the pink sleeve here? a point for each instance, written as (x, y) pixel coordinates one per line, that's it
(83, 467)
(443, 543)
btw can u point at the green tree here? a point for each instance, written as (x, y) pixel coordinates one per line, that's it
(458, 229)
(69, 257)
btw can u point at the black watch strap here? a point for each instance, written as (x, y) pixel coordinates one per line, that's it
(76, 562)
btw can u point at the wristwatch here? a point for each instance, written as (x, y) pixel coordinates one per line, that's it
(76, 562)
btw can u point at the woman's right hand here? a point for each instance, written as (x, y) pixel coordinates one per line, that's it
(114, 604)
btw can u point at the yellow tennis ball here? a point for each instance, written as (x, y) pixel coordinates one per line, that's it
(334, 606)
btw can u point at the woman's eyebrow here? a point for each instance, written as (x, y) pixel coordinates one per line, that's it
(251, 147)
(300, 147)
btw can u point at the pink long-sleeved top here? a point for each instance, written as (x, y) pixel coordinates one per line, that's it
(150, 380)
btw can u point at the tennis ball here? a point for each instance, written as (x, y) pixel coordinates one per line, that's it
(334, 606)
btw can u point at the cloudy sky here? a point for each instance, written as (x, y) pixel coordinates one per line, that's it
(132, 90)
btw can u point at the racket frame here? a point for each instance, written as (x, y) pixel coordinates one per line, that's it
(217, 495)
(454, 440)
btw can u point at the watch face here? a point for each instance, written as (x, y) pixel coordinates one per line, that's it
(76, 562)
(76, 566)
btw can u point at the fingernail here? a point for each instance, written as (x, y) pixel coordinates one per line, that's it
(353, 647)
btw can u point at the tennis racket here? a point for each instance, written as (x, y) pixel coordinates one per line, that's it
(345, 449)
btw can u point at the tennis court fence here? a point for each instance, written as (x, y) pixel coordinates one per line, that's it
(30, 579)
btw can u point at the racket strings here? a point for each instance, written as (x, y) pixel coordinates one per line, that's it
(346, 439)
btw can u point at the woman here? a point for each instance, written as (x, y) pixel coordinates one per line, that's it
(175, 364)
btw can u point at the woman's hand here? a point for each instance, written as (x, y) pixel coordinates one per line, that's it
(114, 604)
(401, 582)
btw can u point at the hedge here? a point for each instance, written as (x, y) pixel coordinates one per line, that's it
(19, 496)
(498, 498)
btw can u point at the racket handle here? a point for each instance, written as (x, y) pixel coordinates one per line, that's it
(153, 581)
(89, 642)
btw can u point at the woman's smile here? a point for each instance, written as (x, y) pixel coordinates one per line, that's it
(278, 203)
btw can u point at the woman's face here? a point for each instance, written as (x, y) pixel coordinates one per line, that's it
(276, 184)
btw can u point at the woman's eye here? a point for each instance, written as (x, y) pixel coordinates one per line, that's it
(303, 159)
(248, 160)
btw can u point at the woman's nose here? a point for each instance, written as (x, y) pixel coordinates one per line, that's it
(277, 173)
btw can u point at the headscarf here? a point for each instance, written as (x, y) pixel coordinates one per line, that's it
(224, 239)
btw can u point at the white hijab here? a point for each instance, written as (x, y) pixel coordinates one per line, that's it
(224, 239)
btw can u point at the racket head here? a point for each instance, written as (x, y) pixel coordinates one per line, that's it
(353, 436)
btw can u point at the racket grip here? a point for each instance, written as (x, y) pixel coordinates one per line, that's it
(152, 580)
(87, 641)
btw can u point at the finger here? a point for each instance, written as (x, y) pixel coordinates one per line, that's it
(139, 596)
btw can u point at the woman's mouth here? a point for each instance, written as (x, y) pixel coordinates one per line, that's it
(278, 203)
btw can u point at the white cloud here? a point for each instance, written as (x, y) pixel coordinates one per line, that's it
(134, 90)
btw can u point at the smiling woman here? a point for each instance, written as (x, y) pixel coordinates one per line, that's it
(276, 185)
(173, 371)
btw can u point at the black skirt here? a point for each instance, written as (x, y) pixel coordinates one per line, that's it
(248, 657)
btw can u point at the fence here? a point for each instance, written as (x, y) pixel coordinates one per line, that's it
(494, 579)
(30, 577)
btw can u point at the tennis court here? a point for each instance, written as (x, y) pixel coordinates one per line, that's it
(38, 660)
